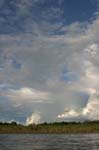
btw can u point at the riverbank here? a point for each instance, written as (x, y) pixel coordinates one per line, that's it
(49, 128)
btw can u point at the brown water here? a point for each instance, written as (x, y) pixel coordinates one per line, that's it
(49, 142)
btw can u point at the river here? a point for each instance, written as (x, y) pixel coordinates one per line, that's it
(49, 141)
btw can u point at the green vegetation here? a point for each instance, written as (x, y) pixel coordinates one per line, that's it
(56, 127)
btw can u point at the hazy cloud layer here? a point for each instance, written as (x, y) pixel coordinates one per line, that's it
(46, 65)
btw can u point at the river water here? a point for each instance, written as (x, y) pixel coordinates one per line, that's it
(49, 142)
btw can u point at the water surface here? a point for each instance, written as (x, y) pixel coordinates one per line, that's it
(49, 142)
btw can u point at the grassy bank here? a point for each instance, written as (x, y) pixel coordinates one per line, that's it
(62, 127)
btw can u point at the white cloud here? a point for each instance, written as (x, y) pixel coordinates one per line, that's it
(26, 95)
(35, 118)
(89, 112)
(92, 49)
(69, 114)
(91, 91)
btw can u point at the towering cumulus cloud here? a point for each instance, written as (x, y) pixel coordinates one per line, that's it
(49, 60)
(33, 119)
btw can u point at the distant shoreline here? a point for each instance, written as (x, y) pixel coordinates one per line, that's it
(50, 128)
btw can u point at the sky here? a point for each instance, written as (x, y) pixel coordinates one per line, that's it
(49, 60)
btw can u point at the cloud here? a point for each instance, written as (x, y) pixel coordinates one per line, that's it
(92, 49)
(32, 62)
(27, 16)
(26, 94)
(69, 114)
(33, 119)
(89, 112)
(91, 91)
